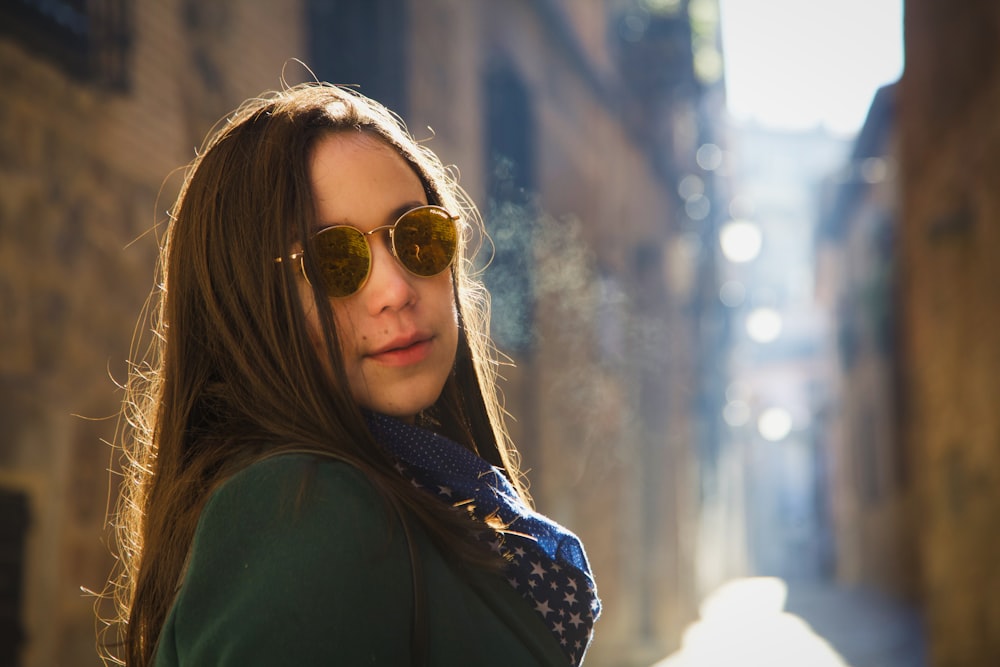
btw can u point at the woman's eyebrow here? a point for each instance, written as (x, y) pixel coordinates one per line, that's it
(393, 216)
(404, 208)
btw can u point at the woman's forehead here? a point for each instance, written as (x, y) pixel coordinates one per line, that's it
(362, 181)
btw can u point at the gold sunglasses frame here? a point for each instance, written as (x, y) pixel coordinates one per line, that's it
(391, 228)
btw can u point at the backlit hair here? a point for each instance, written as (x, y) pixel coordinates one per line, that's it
(229, 375)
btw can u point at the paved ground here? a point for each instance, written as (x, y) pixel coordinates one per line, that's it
(867, 629)
(764, 622)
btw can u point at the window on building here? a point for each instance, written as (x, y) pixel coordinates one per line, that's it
(361, 43)
(510, 208)
(88, 39)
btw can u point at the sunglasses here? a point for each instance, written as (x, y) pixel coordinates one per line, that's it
(423, 240)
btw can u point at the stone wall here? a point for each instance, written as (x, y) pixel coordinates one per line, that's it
(83, 186)
(950, 142)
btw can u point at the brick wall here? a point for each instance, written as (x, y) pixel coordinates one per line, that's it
(83, 179)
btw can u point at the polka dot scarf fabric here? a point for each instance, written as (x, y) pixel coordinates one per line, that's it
(547, 563)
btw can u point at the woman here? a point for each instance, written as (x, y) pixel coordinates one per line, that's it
(318, 467)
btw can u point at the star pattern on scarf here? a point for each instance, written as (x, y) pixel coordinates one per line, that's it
(551, 593)
(546, 564)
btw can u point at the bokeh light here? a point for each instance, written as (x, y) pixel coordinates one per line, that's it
(732, 293)
(741, 240)
(774, 424)
(709, 157)
(698, 207)
(690, 186)
(764, 325)
(736, 413)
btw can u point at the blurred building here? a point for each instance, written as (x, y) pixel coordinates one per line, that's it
(102, 101)
(916, 433)
(573, 124)
(870, 474)
(949, 147)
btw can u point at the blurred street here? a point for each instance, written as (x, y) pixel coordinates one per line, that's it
(766, 622)
(741, 259)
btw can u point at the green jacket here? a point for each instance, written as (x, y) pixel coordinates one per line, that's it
(296, 562)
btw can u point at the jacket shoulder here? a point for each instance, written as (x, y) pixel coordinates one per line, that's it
(289, 555)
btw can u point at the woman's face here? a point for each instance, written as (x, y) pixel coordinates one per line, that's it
(398, 334)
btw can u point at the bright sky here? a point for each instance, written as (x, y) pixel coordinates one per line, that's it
(801, 63)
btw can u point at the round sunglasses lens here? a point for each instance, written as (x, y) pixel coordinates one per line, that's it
(425, 240)
(342, 259)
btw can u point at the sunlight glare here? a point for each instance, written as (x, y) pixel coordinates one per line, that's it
(743, 623)
(798, 65)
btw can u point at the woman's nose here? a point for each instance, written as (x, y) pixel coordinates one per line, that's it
(389, 285)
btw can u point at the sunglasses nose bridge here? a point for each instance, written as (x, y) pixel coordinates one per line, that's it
(386, 233)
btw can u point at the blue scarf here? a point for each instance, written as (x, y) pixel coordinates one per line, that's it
(546, 562)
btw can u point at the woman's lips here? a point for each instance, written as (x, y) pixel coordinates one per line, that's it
(405, 354)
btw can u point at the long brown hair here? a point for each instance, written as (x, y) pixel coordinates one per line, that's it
(230, 376)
